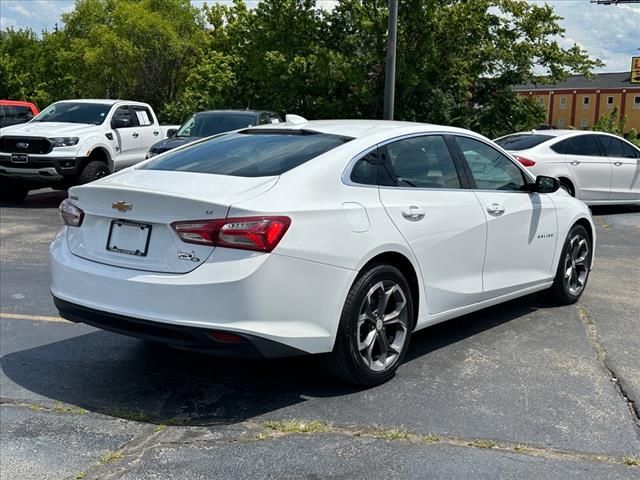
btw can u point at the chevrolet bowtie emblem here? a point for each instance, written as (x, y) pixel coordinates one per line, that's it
(121, 206)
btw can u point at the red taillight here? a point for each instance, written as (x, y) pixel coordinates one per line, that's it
(226, 337)
(72, 216)
(525, 161)
(247, 233)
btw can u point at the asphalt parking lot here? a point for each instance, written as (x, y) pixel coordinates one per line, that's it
(520, 390)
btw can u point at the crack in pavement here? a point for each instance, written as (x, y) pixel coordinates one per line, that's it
(132, 452)
(601, 355)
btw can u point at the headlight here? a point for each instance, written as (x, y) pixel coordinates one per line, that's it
(64, 141)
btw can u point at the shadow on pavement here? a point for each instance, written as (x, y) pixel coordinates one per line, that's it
(127, 378)
(39, 199)
(615, 209)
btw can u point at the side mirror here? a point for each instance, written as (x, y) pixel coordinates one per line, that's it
(120, 122)
(171, 132)
(544, 184)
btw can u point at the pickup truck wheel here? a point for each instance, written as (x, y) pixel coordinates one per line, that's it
(93, 171)
(12, 191)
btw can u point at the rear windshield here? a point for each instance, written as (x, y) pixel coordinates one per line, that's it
(257, 153)
(14, 114)
(207, 124)
(522, 141)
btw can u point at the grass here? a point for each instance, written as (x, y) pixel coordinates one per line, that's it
(296, 426)
(482, 444)
(631, 461)
(391, 433)
(134, 415)
(110, 457)
(431, 438)
(521, 448)
(160, 428)
(80, 476)
(60, 407)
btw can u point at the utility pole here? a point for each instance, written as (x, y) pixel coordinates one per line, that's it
(390, 71)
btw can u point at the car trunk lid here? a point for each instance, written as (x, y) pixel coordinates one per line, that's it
(128, 216)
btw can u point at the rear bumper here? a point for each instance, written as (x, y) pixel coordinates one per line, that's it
(262, 297)
(191, 338)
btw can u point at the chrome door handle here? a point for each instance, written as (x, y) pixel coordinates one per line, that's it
(413, 213)
(575, 162)
(617, 164)
(155, 133)
(495, 209)
(135, 135)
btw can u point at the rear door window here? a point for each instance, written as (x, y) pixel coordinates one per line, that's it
(143, 116)
(522, 141)
(257, 153)
(586, 145)
(419, 162)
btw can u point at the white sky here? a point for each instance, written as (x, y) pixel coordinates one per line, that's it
(610, 33)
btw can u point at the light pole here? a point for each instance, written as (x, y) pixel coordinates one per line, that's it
(390, 71)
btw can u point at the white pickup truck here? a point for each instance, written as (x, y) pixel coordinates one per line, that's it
(74, 142)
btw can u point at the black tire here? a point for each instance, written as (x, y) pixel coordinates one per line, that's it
(12, 191)
(93, 171)
(572, 276)
(567, 187)
(347, 361)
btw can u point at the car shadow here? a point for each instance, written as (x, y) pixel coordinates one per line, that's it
(614, 209)
(127, 378)
(45, 198)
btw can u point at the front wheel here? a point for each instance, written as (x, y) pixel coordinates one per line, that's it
(93, 171)
(573, 267)
(12, 191)
(375, 328)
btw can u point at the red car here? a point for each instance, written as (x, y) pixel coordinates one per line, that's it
(13, 112)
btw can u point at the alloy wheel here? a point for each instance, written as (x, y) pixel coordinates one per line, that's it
(382, 327)
(576, 268)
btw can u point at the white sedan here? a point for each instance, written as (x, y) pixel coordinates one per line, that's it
(596, 167)
(337, 237)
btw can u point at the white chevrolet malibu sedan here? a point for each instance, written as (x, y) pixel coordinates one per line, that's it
(321, 237)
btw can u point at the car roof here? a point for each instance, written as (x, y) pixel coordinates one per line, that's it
(235, 112)
(103, 101)
(559, 133)
(361, 128)
(16, 103)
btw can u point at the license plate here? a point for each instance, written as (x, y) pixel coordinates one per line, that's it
(19, 158)
(130, 238)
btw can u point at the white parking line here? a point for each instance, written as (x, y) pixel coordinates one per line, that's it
(36, 318)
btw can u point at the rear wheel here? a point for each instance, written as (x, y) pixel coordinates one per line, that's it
(375, 328)
(93, 171)
(567, 187)
(573, 268)
(12, 191)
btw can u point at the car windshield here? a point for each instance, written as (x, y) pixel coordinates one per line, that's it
(207, 124)
(250, 153)
(74, 112)
(522, 141)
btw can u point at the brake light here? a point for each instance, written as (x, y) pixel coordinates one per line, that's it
(247, 233)
(525, 161)
(72, 216)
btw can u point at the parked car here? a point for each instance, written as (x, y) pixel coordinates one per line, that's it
(75, 142)
(205, 124)
(336, 237)
(13, 112)
(596, 167)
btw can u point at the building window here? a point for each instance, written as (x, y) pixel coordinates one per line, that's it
(610, 102)
(561, 123)
(636, 102)
(585, 100)
(563, 103)
(584, 123)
